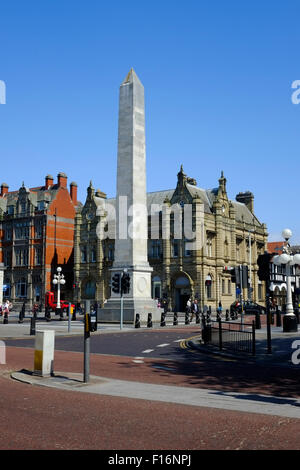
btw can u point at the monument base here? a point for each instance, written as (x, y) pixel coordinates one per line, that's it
(111, 312)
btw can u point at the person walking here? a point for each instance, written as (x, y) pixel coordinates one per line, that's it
(219, 311)
(188, 306)
(194, 309)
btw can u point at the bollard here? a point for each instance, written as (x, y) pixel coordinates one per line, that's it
(296, 312)
(47, 314)
(187, 319)
(73, 314)
(32, 325)
(278, 318)
(206, 334)
(137, 321)
(5, 319)
(163, 320)
(149, 322)
(257, 321)
(227, 317)
(197, 318)
(44, 353)
(175, 321)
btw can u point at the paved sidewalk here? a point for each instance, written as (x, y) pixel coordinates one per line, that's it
(249, 403)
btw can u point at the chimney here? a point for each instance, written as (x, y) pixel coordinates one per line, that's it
(48, 181)
(62, 180)
(4, 189)
(246, 198)
(73, 192)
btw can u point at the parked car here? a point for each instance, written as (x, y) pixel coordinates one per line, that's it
(248, 307)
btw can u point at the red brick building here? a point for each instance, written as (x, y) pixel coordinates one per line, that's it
(37, 236)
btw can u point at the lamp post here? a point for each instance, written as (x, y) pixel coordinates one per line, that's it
(59, 279)
(288, 259)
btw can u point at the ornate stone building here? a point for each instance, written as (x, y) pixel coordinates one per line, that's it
(223, 234)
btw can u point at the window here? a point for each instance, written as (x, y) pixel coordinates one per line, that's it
(7, 288)
(7, 257)
(8, 233)
(187, 251)
(22, 230)
(21, 257)
(38, 256)
(93, 255)
(208, 287)
(156, 287)
(175, 248)
(209, 246)
(41, 205)
(223, 286)
(10, 210)
(90, 290)
(83, 254)
(229, 286)
(155, 249)
(21, 288)
(38, 229)
(110, 252)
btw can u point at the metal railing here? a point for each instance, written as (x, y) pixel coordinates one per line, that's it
(232, 336)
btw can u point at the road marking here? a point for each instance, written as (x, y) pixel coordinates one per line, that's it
(137, 361)
(147, 351)
(178, 340)
(163, 345)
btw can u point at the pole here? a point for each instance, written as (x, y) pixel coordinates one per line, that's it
(122, 305)
(269, 345)
(86, 360)
(69, 319)
(242, 306)
(250, 268)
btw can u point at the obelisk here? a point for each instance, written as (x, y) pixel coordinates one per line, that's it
(131, 243)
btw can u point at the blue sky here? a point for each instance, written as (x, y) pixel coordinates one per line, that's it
(217, 78)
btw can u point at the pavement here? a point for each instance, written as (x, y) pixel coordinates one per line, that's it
(229, 400)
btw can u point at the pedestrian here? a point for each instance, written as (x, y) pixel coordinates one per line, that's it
(188, 306)
(22, 313)
(5, 310)
(35, 309)
(194, 309)
(219, 311)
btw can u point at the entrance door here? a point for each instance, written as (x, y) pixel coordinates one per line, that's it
(182, 293)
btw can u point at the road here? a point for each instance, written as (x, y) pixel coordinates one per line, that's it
(35, 417)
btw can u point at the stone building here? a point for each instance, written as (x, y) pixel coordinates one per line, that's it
(37, 236)
(186, 263)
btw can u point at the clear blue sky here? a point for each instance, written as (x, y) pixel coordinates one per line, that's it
(217, 78)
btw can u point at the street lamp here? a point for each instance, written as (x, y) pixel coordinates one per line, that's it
(287, 258)
(59, 279)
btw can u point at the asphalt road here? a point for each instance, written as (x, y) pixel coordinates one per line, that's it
(165, 344)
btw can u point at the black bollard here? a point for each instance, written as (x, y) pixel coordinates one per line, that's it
(296, 312)
(73, 314)
(32, 325)
(257, 321)
(187, 318)
(175, 322)
(163, 320)
(197, 318)
(278, 318)
(5, 319)
(227, 317)
(149, 322)
(137, 321)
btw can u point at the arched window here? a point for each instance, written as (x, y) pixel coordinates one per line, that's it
(208, 286)
(156, 287)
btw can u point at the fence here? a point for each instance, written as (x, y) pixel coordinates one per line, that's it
(229, 335)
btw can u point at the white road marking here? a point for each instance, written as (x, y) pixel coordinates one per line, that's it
(137, 361)
(147, 351)
(163, 345)
(178, 340)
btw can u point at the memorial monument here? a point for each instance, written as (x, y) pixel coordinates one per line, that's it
(131, 252)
